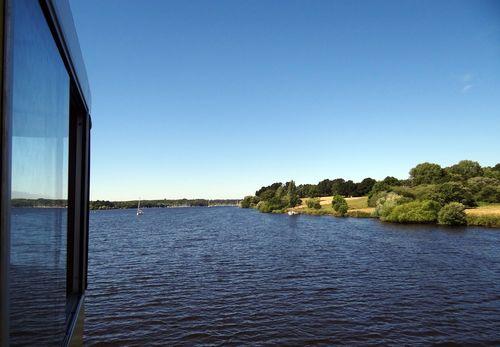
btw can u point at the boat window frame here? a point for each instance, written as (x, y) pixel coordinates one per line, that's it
(78, 171)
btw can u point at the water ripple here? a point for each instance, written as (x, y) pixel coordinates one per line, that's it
(227, 276)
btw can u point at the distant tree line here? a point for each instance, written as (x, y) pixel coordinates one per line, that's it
(39, 202)
(337, 186)
(107, 205)
(278, 196)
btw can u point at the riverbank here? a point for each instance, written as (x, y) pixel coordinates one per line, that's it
(485, 215)
(358, 207)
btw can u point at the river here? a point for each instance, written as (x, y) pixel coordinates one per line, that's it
(225, 275)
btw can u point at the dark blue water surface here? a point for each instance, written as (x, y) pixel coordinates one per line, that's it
(234, 276)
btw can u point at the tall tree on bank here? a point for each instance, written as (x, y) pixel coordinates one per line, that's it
(427, 173)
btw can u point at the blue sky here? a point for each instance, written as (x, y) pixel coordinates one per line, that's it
(214, 99)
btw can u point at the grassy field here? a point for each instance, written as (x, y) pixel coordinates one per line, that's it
(492, 209)
(485, 215)
(358, 207)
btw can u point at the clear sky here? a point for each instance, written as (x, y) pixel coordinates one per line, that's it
(213, 99)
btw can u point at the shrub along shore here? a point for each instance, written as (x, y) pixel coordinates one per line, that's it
(462, 194)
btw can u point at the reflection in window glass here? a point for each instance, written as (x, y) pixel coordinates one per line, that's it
(40, 127)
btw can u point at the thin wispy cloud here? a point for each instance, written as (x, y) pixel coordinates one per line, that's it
(466, 81)
(466, 88)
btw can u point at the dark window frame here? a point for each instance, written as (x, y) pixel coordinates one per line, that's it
(78, 172)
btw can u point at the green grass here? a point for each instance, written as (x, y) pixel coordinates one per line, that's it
(357, 203)
(487, 215)
(361, 213)
(484, 220)
(358, 207)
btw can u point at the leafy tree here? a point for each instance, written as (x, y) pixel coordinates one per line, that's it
(308, 191)
(489, 194)
(280, 192)
(365, 186)
(452, 214)
(292, 195)
(374, 194)
(386, 203)
(405, 191)
(427, 173)
(391, 181)
(325, 188)
(339, 205)
(465, 169)
(247, 202)
(350, 188)
(415, 212)
(455, 192)
(492, 172)
(267, 194)
(373, 197)
(338, 187)
(314, 203)
(475, 184)
(269, 190)
(445, 193)
(264, 206)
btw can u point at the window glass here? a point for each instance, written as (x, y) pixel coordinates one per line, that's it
(40, 128)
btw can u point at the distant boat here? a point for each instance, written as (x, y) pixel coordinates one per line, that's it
(139, 211)
(292, 213)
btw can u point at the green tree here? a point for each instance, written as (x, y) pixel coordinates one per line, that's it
(314, 203)
(427, 173)
(455, 192)
(489, 194)
(246, 202)
(339, 205)
(475, 184)
(465, 169)
(365, 186)
(269, 190)
(492, 172)
(292, 195)
(386, 203)
(391, 181)
(338, 187)
(264, 206)
(350, 188)
(308, 191)
(452, 214)
(377, 189)
(325, 188)
(415, 212)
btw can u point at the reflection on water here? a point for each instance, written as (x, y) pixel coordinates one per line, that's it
(234, 276)
(40, 128)
(38, 275)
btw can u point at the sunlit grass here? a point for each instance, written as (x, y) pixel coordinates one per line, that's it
(491, 209)
(358, 207)
(485, 215)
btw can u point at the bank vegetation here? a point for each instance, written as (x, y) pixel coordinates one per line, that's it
(462, 194)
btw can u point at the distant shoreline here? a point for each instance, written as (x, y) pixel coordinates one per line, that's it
(168, 207)
(165, 203)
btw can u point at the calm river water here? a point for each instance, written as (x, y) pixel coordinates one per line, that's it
(232, 276)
